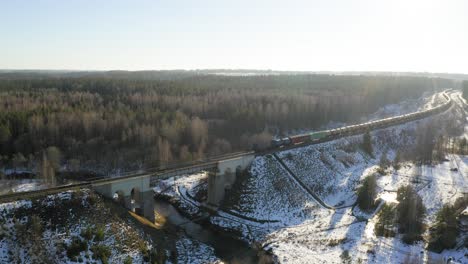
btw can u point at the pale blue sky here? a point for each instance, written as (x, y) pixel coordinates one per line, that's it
(398, 35)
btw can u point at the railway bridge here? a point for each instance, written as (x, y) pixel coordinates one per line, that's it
(129, 189)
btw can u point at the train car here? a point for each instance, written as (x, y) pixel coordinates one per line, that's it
(334, 132)
(315, 136)
(299, 139)
(375, 124)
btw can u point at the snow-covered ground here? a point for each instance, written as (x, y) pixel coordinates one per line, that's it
(22, 185)
(183, 190)
(43, 230)
(194, 252)
(55, 231)
(273, 210)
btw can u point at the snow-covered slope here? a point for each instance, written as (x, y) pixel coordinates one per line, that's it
(301, 231)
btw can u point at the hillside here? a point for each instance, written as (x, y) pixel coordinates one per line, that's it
(270, 208)
(81, 227)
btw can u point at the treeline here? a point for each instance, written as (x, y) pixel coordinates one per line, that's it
(124, 123)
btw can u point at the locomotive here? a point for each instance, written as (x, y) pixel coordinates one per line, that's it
(298, 139)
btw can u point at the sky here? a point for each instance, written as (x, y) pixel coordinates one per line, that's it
(328, 35)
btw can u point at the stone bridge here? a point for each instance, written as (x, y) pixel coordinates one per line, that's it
(129, 190)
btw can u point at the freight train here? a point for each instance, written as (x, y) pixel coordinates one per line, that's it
(325, 135)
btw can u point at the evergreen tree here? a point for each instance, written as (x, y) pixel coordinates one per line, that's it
(425, 144)
(386, 221)
(383, 163)
(54, 157)
(4, 133)
(411, 211)
(397, 160)
(463, 145)
(445, 231)
(367, 144)
(366, 193)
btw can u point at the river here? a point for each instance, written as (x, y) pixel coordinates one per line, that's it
(227, 248)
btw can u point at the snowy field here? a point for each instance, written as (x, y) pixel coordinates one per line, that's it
(273, 210)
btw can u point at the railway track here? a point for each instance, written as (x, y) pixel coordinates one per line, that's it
(363, 128)
(53, 190)
(303, 185)
(173, 168)
(101, 181)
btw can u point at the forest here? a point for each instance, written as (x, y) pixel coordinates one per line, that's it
(127, 121)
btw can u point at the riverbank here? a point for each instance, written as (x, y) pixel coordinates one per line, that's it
(227, 245)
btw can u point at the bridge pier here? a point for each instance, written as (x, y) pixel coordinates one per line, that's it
(225, 176)
(130, 192)
(136, 194)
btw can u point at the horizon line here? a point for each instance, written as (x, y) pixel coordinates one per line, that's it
(220, 69)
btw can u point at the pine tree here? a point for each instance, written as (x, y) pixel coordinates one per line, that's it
(367, 144)
(386, 221)
(5, 133)
(410, 210)
(383, 163)
(445, 231)
(463, 144)
(366, 193)
(397, 160)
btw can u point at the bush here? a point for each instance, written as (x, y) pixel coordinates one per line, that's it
(366, 193)
(90, 232)
(99, 234)
(157, 256)
(35, 225)
(345, 258)
(92, 198)
(87, 233)
(76, 247)
(128, 260)
(336, 242)
(381, 171)
(144, 250)
(101, 252)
